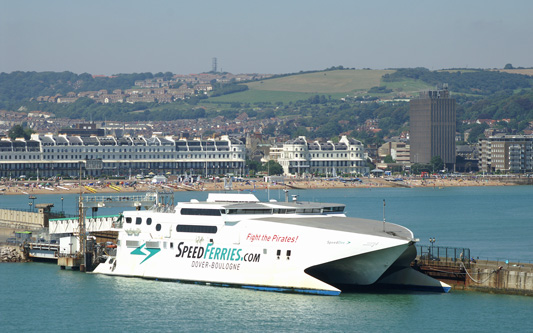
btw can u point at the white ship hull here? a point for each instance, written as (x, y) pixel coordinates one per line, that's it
(318, 254)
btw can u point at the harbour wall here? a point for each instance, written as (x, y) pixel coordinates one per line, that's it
(500, 278)
(489, 276)
(19, 219)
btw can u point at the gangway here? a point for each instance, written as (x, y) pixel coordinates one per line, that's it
(43, 250)
(80, 228)
(148, 200)
(159, 201)
(70, 225)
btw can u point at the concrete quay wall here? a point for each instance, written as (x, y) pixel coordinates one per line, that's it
(487, 276)
(22, 219)
(500, 280)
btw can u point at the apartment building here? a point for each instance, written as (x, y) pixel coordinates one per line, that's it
(507, 153)
(51, 155)
(327, 158)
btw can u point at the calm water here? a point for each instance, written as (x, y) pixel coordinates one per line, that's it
(494, 222)
(41, 297)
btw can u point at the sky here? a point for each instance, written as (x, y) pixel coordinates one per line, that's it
(271, 37)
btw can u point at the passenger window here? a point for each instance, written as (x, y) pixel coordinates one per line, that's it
(138, 220)
(158, 227)
(149, 221)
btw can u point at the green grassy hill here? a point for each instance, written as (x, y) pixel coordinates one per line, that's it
(337, 84)
(327, 82)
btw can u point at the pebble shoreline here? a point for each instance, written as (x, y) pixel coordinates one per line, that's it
(72, 187)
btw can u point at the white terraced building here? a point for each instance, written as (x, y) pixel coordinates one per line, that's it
(51, 155)
(325, 158)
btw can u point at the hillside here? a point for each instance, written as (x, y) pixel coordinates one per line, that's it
(336, 83)
(326, 82)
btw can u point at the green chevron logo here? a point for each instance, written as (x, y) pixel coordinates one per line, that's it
(138, 251)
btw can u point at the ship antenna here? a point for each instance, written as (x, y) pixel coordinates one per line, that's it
(383, 215)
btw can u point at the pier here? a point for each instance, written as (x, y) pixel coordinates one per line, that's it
(455, 267)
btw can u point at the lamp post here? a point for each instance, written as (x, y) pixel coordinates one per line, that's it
(62, 204)
(432, 241)
(32, 198)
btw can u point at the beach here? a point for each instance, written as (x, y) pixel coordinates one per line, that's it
(113, 186)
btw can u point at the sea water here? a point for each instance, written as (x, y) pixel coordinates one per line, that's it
(494, 222)
(39, 297)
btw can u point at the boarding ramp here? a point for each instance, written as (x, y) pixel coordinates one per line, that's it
(148, 200)
(70, 225)
(43, 250)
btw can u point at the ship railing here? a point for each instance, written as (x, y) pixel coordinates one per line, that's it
(163, 208)
(118, 223)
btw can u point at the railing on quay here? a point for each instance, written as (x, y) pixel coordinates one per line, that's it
(120, 198)
(508, 263)
(453, 256)
(61, 214)
(443, 255)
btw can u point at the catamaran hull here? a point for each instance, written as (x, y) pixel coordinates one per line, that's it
(281, 247)
(305, 270)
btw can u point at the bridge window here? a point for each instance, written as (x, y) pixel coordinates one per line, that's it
(203, 229)
(200, 211)
(249, 211)
(138, 220)
(333, 209)
(128, 219)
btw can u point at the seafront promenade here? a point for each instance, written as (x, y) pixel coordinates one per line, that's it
(113, 186)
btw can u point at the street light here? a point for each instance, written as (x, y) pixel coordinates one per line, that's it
(32, 198)
(62, 204)
(432, 241)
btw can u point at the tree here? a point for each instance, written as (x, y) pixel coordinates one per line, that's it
(508, 66)
(418, 168)
(273, 168)
(389, 159)
(253, 165)
(436, 163)
(476, 132)
(18, 131)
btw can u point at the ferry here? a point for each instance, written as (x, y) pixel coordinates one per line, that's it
(234, 240)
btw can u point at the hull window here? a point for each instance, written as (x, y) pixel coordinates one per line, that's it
(152, 245)
(131, 243)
